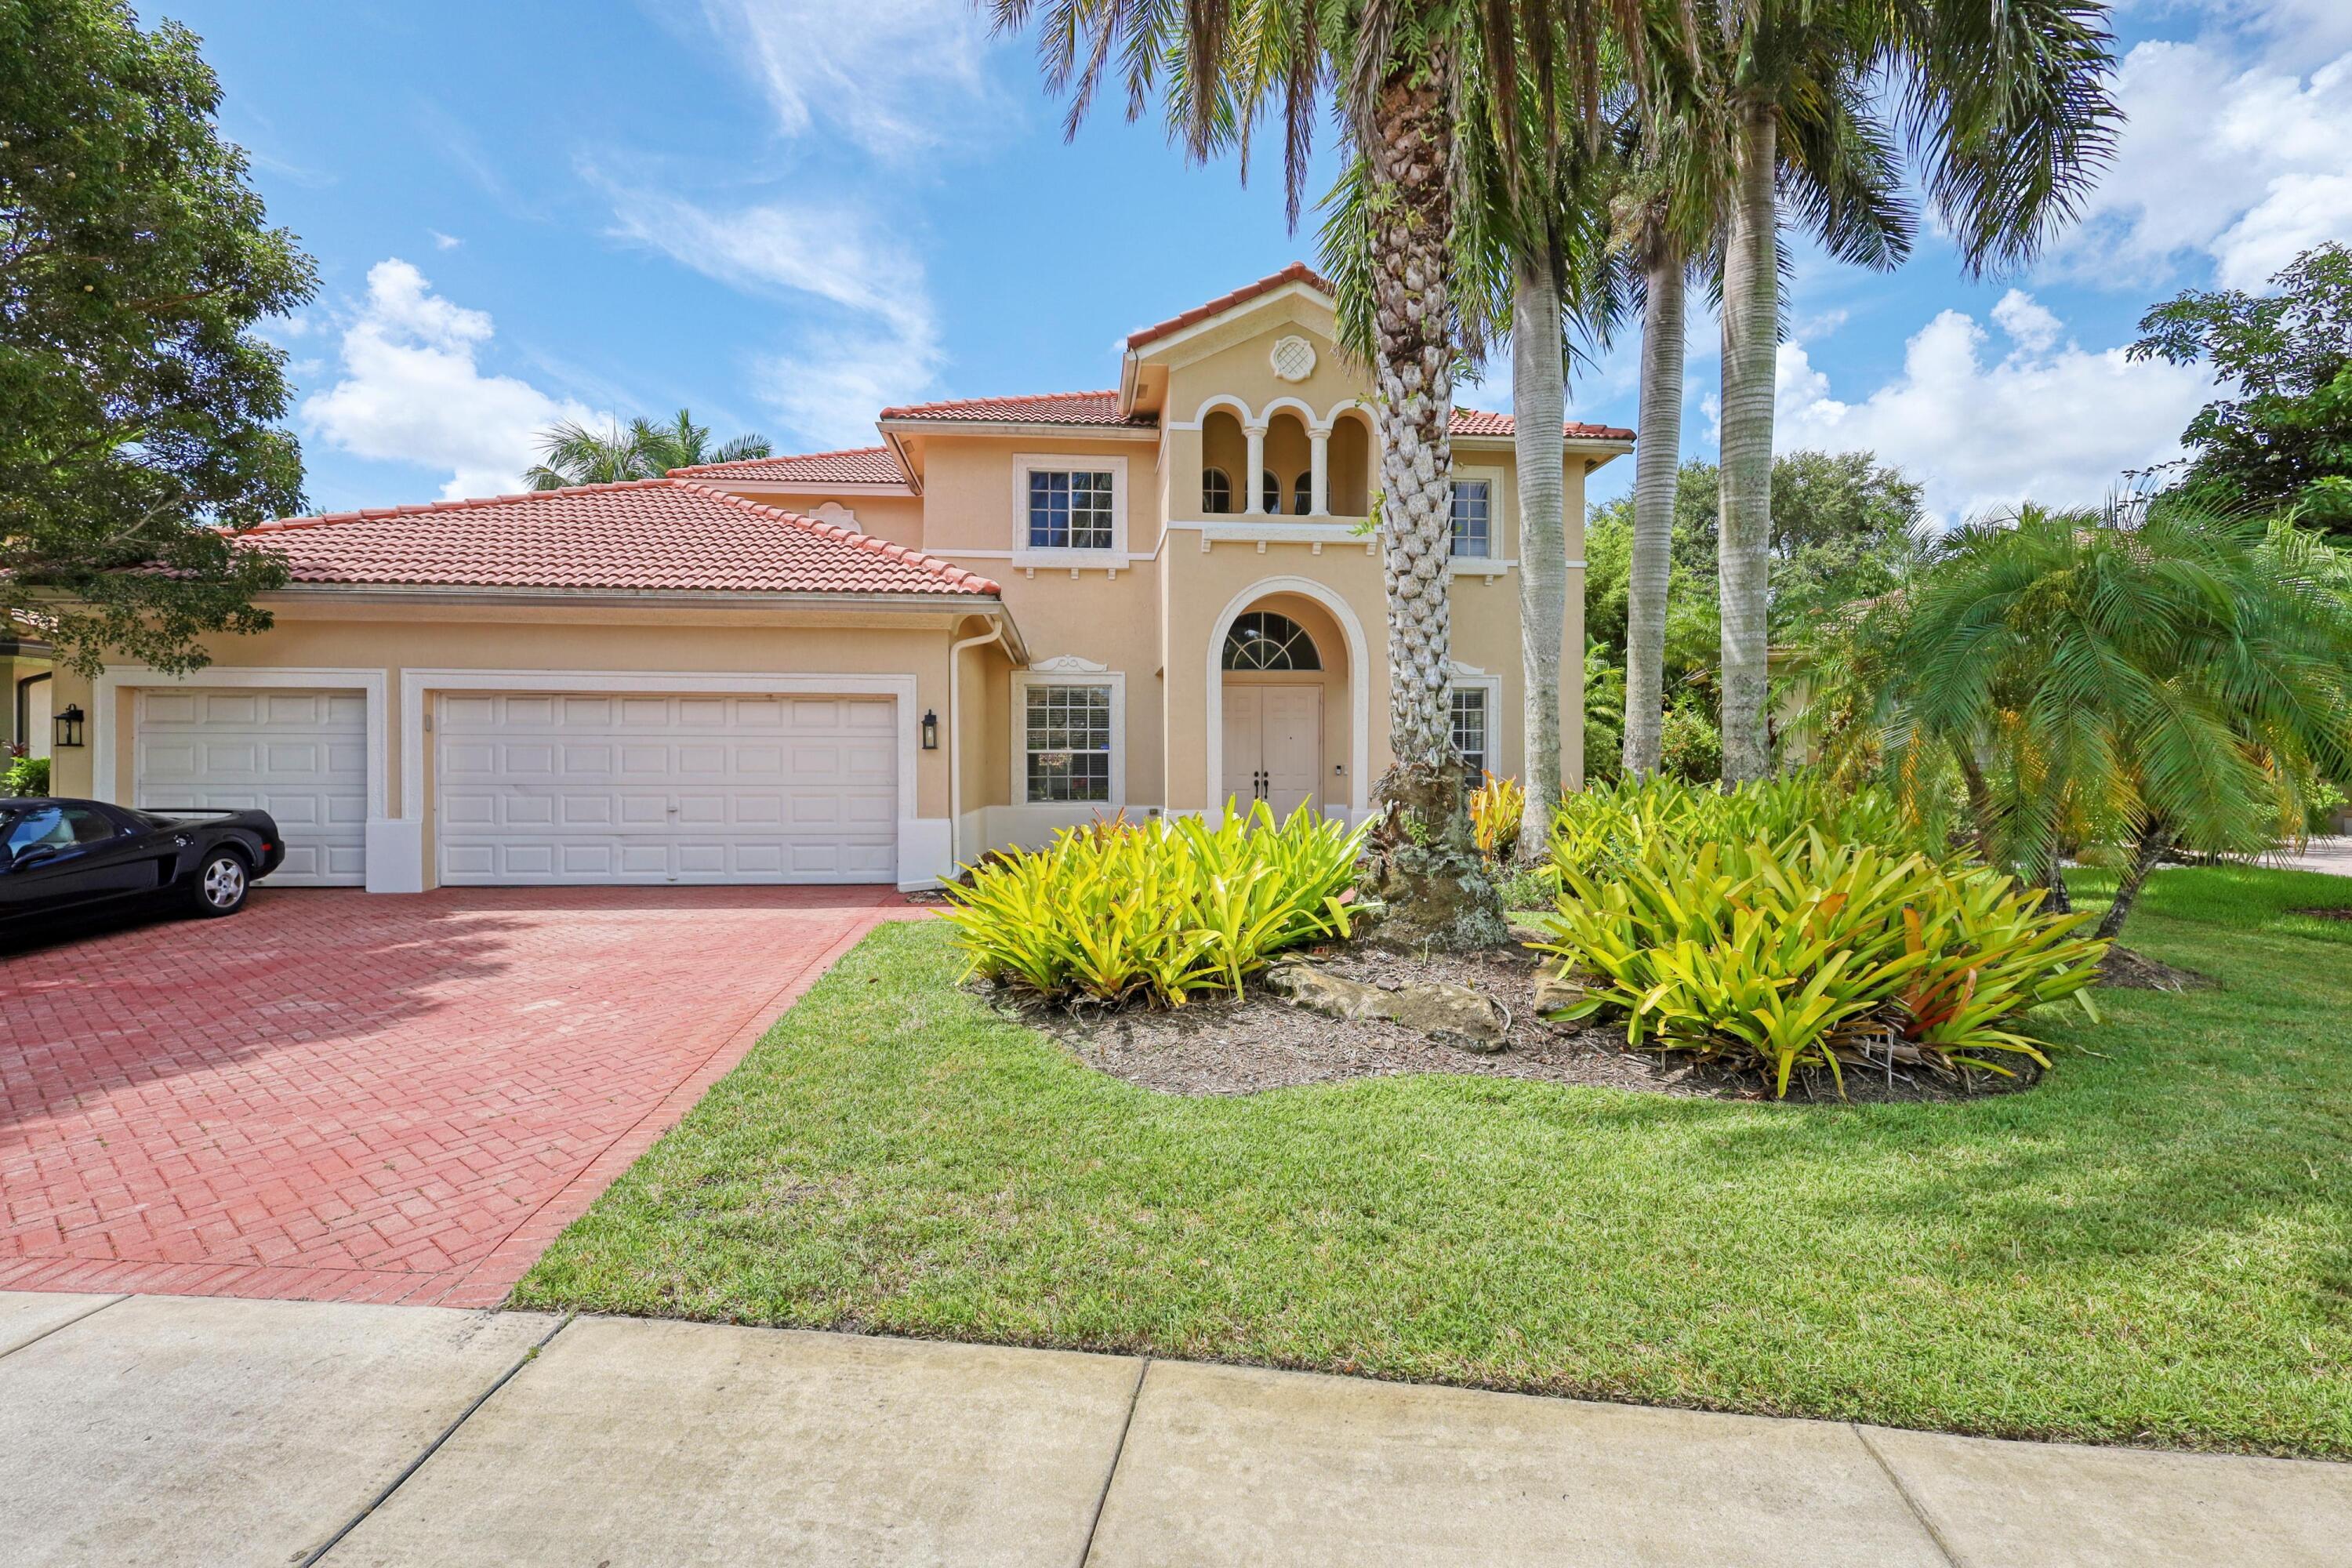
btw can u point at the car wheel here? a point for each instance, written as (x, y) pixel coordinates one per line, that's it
(222, 884)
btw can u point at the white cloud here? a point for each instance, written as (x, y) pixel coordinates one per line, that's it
(412, 391)
(890, 75)
(874, 340)
(443, 241)
(2226, 154)
(2049, 424)
(2030, 325)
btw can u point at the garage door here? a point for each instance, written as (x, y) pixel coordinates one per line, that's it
(301, 756)
(537, 788)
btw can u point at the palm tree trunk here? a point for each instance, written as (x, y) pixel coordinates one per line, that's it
(2154, 841)
(1538, 398)
(1751, 340)
(1657, 459)
(1981, 822)
(1432, 880)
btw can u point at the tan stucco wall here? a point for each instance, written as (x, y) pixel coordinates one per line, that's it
(393, 638)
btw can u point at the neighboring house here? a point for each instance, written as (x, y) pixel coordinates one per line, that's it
(1016, 613)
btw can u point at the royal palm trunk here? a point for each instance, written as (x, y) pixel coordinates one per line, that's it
(1657, 459)
(1750, 337)
(1538, 398)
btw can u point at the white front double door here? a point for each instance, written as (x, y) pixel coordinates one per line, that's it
(574, 788)
(1274, 744)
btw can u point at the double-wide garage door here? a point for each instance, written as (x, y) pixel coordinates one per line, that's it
(563, 788)
(301, 756)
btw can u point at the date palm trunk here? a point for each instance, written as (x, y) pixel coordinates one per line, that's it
(1539, 400)
(1750, 338)
(1432, 878)
(2146, 854)
(1657, 459)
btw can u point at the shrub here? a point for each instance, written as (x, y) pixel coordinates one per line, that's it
(1157, 910)
(1689, 746)
(1805, 953)
(1496, 806)
(1529, 886)
(25, 776)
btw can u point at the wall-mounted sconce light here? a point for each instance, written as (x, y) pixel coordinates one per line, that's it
(70, 725)
(930, 731)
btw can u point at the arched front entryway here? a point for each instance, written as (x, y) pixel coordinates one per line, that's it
(1287, 706)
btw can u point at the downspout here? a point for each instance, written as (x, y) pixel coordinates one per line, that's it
(995, 634)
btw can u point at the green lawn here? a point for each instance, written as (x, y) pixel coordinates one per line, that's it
(2153, 1246)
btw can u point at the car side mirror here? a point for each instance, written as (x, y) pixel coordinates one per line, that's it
(32, 855)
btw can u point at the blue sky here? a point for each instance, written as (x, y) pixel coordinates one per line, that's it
(785, 213)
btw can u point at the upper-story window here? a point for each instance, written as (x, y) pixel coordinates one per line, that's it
(1270, 494)
(1474, 517)
(1216, 492)
(1302, 495)
(1069, 509)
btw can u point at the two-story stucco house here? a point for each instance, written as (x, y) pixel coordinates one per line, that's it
(1014, 614)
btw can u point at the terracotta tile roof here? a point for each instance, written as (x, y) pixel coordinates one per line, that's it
(1479, 422)
(1046, 408)
(648, 535)
(855, 465)
(1296, 272)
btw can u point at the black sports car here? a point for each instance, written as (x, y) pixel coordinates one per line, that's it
(68, 856)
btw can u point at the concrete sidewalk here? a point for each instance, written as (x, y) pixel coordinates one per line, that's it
(168, 1430)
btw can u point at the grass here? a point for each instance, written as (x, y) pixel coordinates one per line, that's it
(2154, 1246)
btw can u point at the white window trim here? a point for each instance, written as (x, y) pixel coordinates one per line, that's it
(1023, 679)
(1498, 540)
(1027, 554)
(1460, 677)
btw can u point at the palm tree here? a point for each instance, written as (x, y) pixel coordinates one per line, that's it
(574, 454)
(2005, 102)
(1396, 68)
(2178, 680)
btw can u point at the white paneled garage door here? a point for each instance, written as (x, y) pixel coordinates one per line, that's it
(300, 756)
(584, 788)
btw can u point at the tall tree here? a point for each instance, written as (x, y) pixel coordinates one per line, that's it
(2284, 437)
(2005, 103)
(574, 453)
(141, 411)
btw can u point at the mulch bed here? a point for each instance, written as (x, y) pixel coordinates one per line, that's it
(2338, 914)
(1219, 1046)
(2127, 970)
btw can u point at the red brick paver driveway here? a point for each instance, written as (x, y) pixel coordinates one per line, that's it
(348, 1097)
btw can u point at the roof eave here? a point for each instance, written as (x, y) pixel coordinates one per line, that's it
(893, 427)
(673, 598)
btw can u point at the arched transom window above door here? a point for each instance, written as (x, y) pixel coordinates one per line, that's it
(1264, 640)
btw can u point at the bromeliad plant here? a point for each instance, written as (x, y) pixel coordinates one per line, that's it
(1808, 953)
(1600, 827)
(1496, 806)
(1156, 910)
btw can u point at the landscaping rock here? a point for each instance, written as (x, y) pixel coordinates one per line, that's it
(1453, 1015)
(1555, 990)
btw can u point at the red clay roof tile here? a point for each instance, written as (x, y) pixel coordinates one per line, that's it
(1296, 272)
(645, 535)
(1044, 408)
(1479, 422)
(854, 465)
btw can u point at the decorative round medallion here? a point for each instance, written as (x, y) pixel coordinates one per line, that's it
(1294, 359)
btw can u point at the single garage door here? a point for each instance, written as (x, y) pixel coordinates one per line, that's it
(300, 756)
(586, 788)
